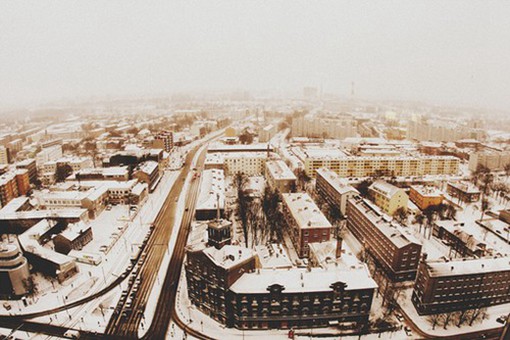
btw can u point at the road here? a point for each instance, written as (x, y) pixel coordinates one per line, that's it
(128, 316)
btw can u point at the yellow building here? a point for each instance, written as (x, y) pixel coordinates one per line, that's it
(351, 166)
(388, 197)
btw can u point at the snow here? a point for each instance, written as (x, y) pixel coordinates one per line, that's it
(304, 210)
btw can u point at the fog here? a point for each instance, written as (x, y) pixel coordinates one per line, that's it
(453, 52)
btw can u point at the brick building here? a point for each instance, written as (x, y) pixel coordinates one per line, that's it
(307, 223)
(392, 247)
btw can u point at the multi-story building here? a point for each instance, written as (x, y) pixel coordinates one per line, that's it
(210, 272)
(211, 197)
(338, 127)
(22, 181)
(267, 132)
(13, 271)
(248, 163)
(392, 247)
(301, 298)
(425, 196)
(464, 191)
(461, 243)
(148, 172)
(5, 155)
(8, 188)
(164, 140)
(307, 223)
(279, 176)
(443, 287)
(75, 237)
(494, 160)
(114, 173)
(365, 166)
(51, 153)
(388, 197)
(329, 185)
(30, 165)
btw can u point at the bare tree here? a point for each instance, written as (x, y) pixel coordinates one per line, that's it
(401, 215)
(446, 319)
(478, 314)
(242, 204)
(485, 205)
(434, 320)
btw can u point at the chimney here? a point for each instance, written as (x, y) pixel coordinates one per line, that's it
(339, 241)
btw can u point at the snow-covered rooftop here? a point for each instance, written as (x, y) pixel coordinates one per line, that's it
(229, 256)
(427, 190)
(301, 280)
(279, 170)
(386, 189)
(273, 256)
(339, 184)
(212, 190)
(304, 210)
(393, 231)
(468, 266)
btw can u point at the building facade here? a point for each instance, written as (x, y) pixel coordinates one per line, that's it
(425, 196)
(14, 271)
(393, 248)
(329, 185)
(443, 287)
(279, 176)
(388, 197)
(465, 192)
(307, 223)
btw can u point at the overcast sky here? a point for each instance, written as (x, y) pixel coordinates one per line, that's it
(441, 52)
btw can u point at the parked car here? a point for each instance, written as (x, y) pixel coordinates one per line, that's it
(408, 331)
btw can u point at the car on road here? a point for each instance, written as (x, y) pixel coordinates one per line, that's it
(72, 334)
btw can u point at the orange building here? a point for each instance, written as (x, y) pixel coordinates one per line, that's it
(8, 188)
(425, 196)
(23, 181)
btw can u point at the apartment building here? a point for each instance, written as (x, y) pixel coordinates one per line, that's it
(365, 166)
(211, 196)
(8, 188)
(337, 127)
(494, 160)
(279, 176)
(425, 196)
(30, 165)
(443, 287)
(307, 223)
(388, 197)
(267, 132)
(461, 243)
(301, 298)
(164, 140)
(464, 191)
(329, 185)
(47, 154)
(210, 272)
(248, 163)
(5, 155)
(392, 247)
(148, 172)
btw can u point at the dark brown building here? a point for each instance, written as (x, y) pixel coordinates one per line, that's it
(461, 243)
(392, 248)
(301, 298)
(210, 272)
(465, 192)
(459, 285)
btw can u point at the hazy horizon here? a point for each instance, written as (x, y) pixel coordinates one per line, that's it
(451, 53)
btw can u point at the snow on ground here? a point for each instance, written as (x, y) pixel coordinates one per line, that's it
(156, 289)
(94, 315)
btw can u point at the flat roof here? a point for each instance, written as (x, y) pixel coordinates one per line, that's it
(212, 190)
(468, 266)
(304, 210)
(427, 190)
(229, 255)
(390, 228)
(299, 280)
(335, 181)
(279, 170)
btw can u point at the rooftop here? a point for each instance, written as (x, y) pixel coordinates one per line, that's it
(468, 266)
(427, 190)
(229, 256)
(335, 181)
(305, 211)
(280, 170)
(385, 188)
(301, 280)
(393, 231)
(212, 190)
